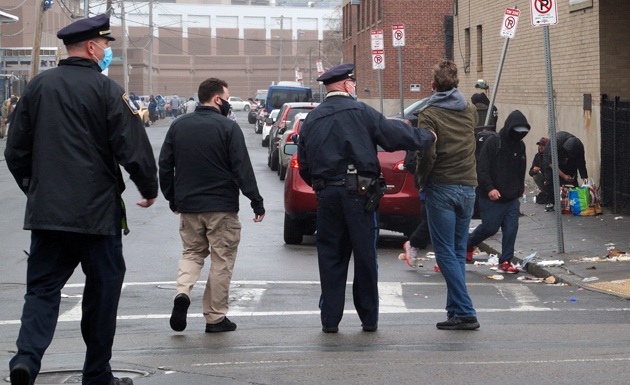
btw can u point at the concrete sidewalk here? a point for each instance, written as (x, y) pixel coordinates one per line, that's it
(584, 237)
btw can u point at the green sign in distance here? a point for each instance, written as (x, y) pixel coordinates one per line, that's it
(117, 58)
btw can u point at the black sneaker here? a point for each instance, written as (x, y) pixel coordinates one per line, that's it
(459, 323)
(180, 310)
(121, 381)
(369, 328)
(224, 326)
(330, 329)
(21, 375)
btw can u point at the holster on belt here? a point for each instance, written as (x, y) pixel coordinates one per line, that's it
(375, 192)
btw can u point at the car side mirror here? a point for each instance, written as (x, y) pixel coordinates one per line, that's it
(294, 138)
(269, 120)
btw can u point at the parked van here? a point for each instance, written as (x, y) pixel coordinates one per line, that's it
(286, 92)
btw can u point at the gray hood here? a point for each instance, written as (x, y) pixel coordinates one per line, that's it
(451, 100)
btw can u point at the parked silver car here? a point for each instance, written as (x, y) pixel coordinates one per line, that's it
(287, 147)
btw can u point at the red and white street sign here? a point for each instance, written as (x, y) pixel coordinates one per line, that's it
(320, 68)
(378, 59)
(508, 29)
(398, 35)
(298, 75)
(377, 39)
(544, 12)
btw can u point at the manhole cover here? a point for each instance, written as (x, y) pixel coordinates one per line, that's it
(73, 376)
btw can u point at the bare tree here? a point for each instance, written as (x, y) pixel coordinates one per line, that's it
(332, 45)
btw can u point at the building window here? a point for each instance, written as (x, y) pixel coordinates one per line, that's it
(358, 18)
(479, 49)
(380, 10)
(467, 50)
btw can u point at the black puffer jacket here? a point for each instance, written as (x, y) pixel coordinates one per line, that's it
(502, 161)
(72, 128)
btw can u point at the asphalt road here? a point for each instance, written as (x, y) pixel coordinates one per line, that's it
(530, 332)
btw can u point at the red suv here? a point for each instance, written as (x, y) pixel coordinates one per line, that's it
(399, 209)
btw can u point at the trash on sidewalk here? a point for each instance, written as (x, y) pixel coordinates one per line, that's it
(495, 277)
(493, 260)
(528, 259)
(618, 218)
(591, 268)
(590, 279)
(552, 263)
(549, 280)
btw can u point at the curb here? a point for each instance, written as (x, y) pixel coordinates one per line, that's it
(561, 274)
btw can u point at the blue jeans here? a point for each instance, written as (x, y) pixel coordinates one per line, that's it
(449, 209)
(496, 215)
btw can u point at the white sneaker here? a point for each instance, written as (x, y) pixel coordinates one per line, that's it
(411, 254)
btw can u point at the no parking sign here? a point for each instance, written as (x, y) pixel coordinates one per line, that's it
(544, 12)
(510, 20)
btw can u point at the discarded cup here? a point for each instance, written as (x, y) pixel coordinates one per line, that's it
(590, 279)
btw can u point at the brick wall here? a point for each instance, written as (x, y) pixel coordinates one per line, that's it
(424, 46)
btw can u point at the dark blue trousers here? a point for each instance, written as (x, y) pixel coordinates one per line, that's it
(344, 228)
(494, 216)
(54, 256)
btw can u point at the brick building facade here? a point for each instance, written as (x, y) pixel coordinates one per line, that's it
(427, 40)
(588, 60)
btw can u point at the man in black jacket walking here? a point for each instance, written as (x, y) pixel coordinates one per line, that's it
(203, 164)
(64, 153)
(501, 175)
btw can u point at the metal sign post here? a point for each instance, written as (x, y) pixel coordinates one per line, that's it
(508, 30)
(378, 60)
(552, 143)
(398, 36)
(544, 13)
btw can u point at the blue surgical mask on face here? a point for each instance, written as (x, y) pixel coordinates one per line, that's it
(107, 57)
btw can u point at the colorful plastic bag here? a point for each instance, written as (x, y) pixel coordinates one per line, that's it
(579, 199)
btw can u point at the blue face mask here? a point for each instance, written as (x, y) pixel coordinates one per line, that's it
(107, 57)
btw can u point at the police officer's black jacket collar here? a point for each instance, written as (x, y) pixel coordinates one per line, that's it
(337, 93)
(79, 61)
(201, 108)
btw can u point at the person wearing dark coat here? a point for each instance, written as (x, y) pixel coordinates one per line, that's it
(571, 160)
(64, 152)
(481, 102)
(536, 170)
(337, 153)
(501, 175)
(203, 164)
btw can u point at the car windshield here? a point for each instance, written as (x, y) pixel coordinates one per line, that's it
(415, 106)
(281, 96)
(274, 114)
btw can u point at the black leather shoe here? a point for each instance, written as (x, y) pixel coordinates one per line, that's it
(330, 329)
(21, 375)
(121, 381)
(369, 328)
(224, 326)
(459, 323)
(180, 311)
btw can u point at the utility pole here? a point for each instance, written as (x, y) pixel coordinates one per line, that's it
(124, 46)
(109, 8)
(37, 40)
(150, 69)
(280, 57)
(86, 8)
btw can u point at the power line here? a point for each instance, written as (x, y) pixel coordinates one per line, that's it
(13, 9)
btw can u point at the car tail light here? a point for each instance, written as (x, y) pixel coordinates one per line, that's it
(294, 163)
(400, 167)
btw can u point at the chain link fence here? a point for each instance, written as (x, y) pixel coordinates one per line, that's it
(615, 156)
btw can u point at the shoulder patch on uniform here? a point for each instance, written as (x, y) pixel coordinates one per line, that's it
(130, 104)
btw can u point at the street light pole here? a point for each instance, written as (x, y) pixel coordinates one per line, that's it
(280, 57)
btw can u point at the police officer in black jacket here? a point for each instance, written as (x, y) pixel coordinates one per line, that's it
(73, 127)
(337, 156)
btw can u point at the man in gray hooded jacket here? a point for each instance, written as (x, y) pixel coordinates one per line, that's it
(447, 172)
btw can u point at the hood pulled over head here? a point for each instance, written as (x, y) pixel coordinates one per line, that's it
(515, 127)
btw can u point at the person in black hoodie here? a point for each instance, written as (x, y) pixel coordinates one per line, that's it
(501, 175)
(203, 164)
(570, 161)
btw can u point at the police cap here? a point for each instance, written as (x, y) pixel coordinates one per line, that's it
(85, 29)
(337, 73)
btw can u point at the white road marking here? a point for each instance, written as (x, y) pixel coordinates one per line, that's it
(244, 297)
